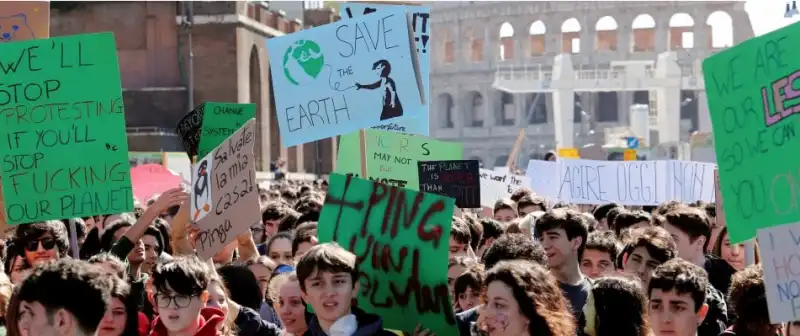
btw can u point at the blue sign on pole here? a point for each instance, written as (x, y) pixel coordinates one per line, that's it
(633, 142)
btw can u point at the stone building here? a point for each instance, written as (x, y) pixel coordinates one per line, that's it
(475, 43)
(230, 64)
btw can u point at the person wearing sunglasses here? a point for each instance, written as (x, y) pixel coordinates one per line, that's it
(42, 241)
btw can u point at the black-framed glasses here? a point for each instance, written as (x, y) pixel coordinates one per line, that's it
(47, 243)
(164, 300)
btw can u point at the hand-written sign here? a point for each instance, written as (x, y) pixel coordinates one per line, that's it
(24, 20)
(420, 24)
(220, 121)
(64, 146)
(458, 179)
(392, 157)
(344, 76)
(753, 93)
(780, 254)
(189, 130)
(495, 186)
(634, 182)
(390, 229)
(224, 193)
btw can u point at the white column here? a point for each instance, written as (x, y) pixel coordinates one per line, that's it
(703, 116)
(519, 108)
(488, 107)
(564, 101)
(661, 35)
(624, 102)
(701, 31)
(668, 98)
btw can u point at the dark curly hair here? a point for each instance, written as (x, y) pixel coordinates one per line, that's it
(514, 246)
(620, 307)
(538, 295)
(29, 232)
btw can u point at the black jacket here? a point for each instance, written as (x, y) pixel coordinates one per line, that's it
(249, 323)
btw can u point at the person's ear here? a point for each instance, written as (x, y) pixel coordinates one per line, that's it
(64, 322)
(356, 286)
(701, 313)
(576, 243)
(204, 297)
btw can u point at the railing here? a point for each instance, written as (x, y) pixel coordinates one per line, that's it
(537, 72)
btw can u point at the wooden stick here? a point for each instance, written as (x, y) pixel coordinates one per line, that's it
(512, 159)
(362, 141)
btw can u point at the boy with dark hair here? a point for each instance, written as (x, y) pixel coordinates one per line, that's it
(328, 279)
(492, 230)
(42, 241)
(67, 298)
(630, 220)
(690, 229)
(530, 203)
(518, 194)
(748, 299)
(677, 293)
(563, 235)
(646, 249)
(459, 237)
(304, 238)
(180, 295)
(475, 230)
(600, 254)
(601, 213)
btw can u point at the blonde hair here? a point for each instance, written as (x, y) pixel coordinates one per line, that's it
(276, 282)
(6, 290)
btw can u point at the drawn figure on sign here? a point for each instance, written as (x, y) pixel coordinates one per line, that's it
(15, 27)
(202, 191)
(391, 101)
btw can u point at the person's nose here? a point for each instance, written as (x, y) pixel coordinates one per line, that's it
(735, 250)
(40, 247)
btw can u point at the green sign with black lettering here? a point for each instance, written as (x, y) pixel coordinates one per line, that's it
(754, 97)
(220, 121)
(63, 138)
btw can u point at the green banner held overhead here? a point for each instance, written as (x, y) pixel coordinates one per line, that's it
(753, 93)
(64, 145)
(220, 121)
(390, 230)
(392, 157)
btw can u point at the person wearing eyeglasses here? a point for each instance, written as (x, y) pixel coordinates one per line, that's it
(42, 241)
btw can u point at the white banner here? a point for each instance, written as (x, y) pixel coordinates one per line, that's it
(779, 246)
(495, 186)
(543, 178)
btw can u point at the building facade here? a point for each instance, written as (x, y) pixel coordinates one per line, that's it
(229, 63)
(478, 44)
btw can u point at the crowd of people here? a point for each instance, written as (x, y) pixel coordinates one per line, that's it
(533, 268)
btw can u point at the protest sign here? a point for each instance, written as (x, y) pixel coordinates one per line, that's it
(151, 179)
(420, 25)
(344, 76)
(24, 20)
(752, 94)
(544, 178)
(495, 186)
(219, 123)
(65, 150)
(224, 192)
(390, 229)
(600, 182)
(189, 130)
(779, 246)
(392, 157)
(457, 179)
(690, 181)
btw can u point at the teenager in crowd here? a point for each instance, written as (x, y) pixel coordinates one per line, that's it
(289, 304)
(455, 267)
(279, 248)
(305, 237)
(42, 242)
(530, 203)
(563, 234)
(67, 298)
(505, 210)
(600, 254)
(459, 237)
(677, 295)
(616, 306)
(492, 230)
(733, 254)
(748, 300)
(467, 288)
(626, 220)
(601, 215)
(523, 299)
(647, 249)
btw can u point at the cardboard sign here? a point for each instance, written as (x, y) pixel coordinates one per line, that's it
(495, 186)
(420, 24)
(458, 179)
(753, 95)
(224, 192)
(65, 145)
(31, 19)
(391, 230)
(544, 178)
(779, 246)
(189, 130)
(220, 121)
(634, 182)
(392, 157)
(344, 76)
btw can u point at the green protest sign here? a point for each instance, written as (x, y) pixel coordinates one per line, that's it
(220, 121)
(392, 157)
(753, 90)
(390, 229)
(64, 147)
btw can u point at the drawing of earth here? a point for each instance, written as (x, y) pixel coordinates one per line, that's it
(303, 62)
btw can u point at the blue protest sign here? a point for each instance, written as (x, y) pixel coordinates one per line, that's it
(344, 76)
(420, 23)
(633, 142)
